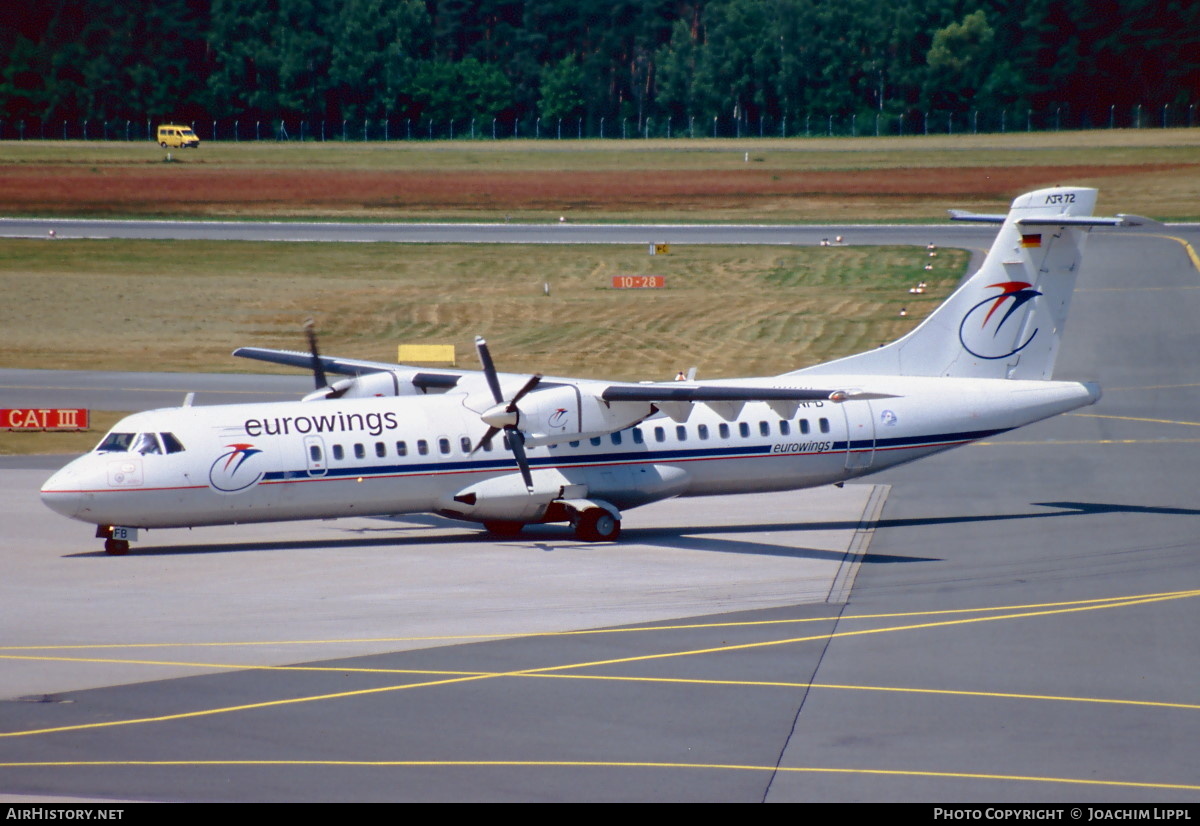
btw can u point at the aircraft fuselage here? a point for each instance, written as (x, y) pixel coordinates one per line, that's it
(376, 456)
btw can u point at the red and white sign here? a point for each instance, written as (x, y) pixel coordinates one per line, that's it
(638, 282)
(44, 418)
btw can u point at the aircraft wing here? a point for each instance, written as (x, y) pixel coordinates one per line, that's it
(665, 392)
(297, 358)
(664, 395)
(422, 379)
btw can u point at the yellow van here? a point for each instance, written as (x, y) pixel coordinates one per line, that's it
(171, 134)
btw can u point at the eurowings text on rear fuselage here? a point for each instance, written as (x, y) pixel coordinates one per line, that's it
(508, 450)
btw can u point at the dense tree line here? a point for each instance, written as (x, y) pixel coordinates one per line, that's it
(647, 65)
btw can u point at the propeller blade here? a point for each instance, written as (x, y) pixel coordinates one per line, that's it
(487, 437)
(513, 437)
(529, 385)
(317, 368)
(489, 369)
(517, 442)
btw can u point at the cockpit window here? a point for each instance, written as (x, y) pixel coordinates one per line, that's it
(146, 443)
(115, 443)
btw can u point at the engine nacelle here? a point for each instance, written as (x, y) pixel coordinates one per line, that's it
(368, 386)
(561, 414)
(506, 499)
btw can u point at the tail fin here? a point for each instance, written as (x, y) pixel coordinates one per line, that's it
(1005, 321)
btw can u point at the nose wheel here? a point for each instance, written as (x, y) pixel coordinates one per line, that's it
(116, 547)
(116, 539)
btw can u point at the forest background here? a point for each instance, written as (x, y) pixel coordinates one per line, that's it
(388, 69)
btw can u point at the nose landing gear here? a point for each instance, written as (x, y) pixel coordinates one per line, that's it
(116, 539)
(116, 547)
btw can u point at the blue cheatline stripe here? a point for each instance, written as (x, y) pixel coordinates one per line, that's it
(505, 461)
(917, 441)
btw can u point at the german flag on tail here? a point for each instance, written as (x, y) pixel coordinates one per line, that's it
(1031, 240)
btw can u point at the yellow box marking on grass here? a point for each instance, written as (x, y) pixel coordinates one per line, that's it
(426, 354)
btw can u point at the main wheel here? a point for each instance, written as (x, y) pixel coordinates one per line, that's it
(116, 547)
(597, 525)
(504, 529)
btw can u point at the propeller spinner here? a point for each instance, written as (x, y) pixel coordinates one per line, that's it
(505, 415)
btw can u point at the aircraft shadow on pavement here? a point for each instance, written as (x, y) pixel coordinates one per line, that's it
(698, 538)
(548, 538)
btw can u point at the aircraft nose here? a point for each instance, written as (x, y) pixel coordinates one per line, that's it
(62, 493)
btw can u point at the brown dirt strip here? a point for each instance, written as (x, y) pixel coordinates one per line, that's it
(179, 188)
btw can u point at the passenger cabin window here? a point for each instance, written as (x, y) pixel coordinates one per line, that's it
(401, 448)
(660, 435)
(638, 438)
(824, 423)
(444, 445)
(744, 429)
(764, 429)
(723, 430)
(616, 438)
(681, 433)
(380, 449)
(785, 428)
(338, 453)
(804, 426)
(314, 452)
(360, 452)
(595, 440)
(465, 444)
(702, 430)
(422, 447)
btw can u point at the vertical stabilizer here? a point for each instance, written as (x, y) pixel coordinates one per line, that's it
(1006, 321)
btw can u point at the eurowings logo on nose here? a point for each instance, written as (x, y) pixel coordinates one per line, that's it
(987, 334)
(230, 474)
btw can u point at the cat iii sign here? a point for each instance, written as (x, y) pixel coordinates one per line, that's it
(44, 418)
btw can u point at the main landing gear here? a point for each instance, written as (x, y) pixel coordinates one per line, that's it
(591, 525)
(597, 525)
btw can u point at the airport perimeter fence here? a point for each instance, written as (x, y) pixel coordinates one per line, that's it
(578, 128)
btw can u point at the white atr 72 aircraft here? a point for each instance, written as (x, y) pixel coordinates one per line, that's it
(390, 439)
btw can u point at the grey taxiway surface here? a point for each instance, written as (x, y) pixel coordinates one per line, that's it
(1021, 626)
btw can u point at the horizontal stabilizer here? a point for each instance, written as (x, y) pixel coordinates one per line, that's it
(1071, 221)
(975, 217)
